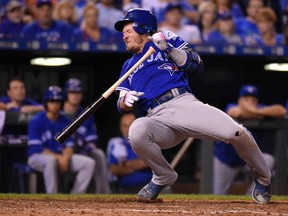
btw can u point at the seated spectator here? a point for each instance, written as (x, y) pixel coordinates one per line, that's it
(16, 99)
(246, 26)
(65, 11)
(86, 136)
(11, 27)
(131, 172)
(266, 22)
(108, 14)
(229, 6)
(46, 155)
(227, 163)
(44, 28)
(208, 23)
(226, 27)
(90, 31)
(174, 15)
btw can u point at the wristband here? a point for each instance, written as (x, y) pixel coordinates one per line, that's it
(169, 48)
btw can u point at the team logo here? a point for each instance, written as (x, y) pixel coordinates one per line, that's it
(169, 67)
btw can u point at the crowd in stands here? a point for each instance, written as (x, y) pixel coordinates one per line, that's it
(237, 22)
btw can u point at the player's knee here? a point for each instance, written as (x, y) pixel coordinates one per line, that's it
(138, 133)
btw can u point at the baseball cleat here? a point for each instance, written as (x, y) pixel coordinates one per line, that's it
(150, 192)
(261, 194)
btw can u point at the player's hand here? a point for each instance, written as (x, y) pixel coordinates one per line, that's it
(130, 97)
(159, 40)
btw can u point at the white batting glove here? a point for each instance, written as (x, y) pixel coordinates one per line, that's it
(132, 96)
(160, 41)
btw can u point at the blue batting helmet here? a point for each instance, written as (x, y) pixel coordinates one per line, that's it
(73, 85)
(248, 90)
(144, 21)
(53, 93)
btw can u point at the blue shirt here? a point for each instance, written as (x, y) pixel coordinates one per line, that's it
(26, 101)
(10, 30)
(118, 151)
(57, 32)
(106, 36)
(42, 132)
(156, 75)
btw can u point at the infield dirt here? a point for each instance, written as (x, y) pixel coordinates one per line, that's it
(130, 207)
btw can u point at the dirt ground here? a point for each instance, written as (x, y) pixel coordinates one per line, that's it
(131, 207)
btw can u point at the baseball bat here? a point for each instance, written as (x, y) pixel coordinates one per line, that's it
(181, 152)
(88, 111)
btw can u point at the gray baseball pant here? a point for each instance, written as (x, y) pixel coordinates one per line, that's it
(185, 116)
(82, 165)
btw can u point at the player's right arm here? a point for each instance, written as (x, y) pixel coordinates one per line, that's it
(127, 99)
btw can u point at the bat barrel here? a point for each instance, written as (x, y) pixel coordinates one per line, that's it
(79, 120)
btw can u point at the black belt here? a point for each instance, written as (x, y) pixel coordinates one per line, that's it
(167, 96)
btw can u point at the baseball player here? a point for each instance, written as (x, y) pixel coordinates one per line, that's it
(227, 163)
(86, 136)
(46, 155)
(130, 171)
(159, 89)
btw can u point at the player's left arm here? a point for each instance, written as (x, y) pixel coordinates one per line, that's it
(186, 58)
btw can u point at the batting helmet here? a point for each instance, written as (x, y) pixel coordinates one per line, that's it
(248, 90)
(53, 93)
(144, 21)
(73, 85)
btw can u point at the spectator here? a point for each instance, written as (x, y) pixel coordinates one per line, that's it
(11, 27)
(44, 28)
(90, 31)
(266, 22)
(246, 27)
(46, 155)
(174, 15)
(65, 11)
(227, 163)
(131, 172)
(86, 136)
(109, 14)
(16, 99)
(226, 27)
(208, 23)
(229, 6)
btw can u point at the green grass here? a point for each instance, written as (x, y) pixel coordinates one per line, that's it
(123, 196)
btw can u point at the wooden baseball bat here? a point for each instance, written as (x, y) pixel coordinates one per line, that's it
(88, 111)
(181, 152)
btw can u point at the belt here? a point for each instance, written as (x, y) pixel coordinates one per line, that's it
(167, 96)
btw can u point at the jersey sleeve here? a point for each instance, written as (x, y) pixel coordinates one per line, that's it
(34, 137)
(116, 151)
(175, 40)
(125, 85)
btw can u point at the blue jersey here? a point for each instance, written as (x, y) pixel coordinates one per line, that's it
(118, 151)
(106, 36)
(87, 132)
(57, 32)
(26, 101)
(10, 30)
(156, 75)
(42, 132)
(228, 155)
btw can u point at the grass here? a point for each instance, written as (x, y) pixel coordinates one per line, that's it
(123, 196)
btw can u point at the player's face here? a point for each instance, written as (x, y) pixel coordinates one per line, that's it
(74, 98)
(134, 42)
(125, 123)
(54, 107)
(45, 15)
(16, 91)
(248, 100)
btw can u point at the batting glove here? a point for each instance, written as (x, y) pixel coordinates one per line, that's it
(160, 41)
(132, 96)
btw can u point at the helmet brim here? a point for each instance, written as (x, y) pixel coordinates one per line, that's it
(119, 25)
